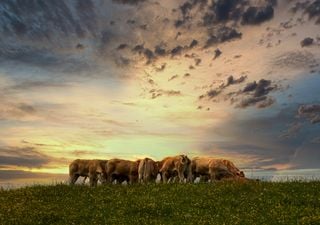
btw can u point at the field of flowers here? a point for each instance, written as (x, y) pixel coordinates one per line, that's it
(219, 203)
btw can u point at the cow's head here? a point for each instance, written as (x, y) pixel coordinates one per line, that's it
(185, 160)
(240, 174)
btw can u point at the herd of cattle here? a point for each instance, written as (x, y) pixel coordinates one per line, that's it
(146, 170)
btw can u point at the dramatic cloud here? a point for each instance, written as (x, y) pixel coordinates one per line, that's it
(258, 92)
(23, 157)
(311, 112)
(257, 15)
(227, 10)
(223, 34)
(314, 10)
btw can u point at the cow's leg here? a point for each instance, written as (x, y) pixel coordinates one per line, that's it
(132, 179)
(140, 179)
(165, 177)
(181, 176)
(110, 178)
(73, 178)
(212, 175)
(190, 178)
(161, 179)
(84, 180)
(93, 179)
(103, 178)
(147, 177)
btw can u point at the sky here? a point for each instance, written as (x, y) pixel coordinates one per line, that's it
(235, 79)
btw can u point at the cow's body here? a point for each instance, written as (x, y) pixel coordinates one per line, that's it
(123, 170)
(148, 170)
(87, 168)
(176, 165)
(214, 169)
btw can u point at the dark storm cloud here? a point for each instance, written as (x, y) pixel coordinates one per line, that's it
(222, 11)
(258, 92)
(311, 8)
(40, 27)
(258, 137)
(314, 10)
(226, 34)
(23, 157)
(253, 94)
(221, 35)
(256, 15)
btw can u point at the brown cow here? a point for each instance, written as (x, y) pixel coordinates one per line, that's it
(170, 166)
(148, 170)
(122, 169)
(87, 168)
(215, 169)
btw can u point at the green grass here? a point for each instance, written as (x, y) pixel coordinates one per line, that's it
(219, 203)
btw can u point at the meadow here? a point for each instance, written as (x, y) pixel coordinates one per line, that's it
(204, 203)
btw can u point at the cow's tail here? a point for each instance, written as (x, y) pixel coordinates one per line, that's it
(147, 169)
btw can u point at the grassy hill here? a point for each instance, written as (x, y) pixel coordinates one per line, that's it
(219, 203)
